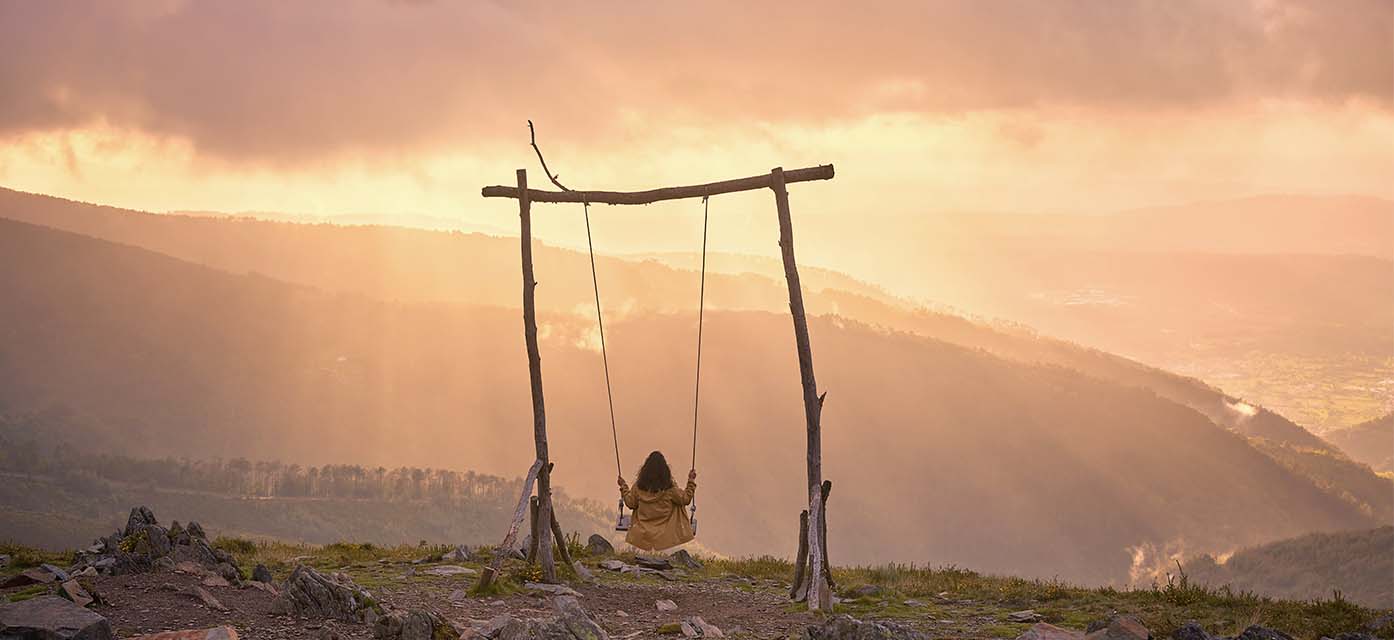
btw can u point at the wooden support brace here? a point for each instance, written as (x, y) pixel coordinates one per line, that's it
(822, 172)
(511, 539)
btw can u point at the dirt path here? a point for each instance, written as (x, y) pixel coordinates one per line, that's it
(161, 601)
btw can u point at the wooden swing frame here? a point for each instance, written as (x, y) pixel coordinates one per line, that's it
(816, 584)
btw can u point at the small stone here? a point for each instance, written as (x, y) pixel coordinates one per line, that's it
(583, 572)
(703, 628)
(207, 599)
(1023, 616)
(75, 593)
(216, 633)
(555, 589)
(865, 591)
(449, 570)
(1044, 631)
(1192, 631)
(459, 595)
(650, 562)
(683, 558)
(1124, 628)
(214, 581)
(666, 605)
(4, 560)
(1256, 632)
(191, 568)
(612, 565)
(262, 586)
(458, 554)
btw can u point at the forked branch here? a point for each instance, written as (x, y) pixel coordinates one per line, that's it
(532, 135)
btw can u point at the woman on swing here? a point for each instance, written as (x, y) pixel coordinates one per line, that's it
(660, 507)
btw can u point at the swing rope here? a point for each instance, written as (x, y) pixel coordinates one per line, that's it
(701, 306)
(604, 357)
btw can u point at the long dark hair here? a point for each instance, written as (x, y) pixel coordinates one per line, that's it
(655, 475)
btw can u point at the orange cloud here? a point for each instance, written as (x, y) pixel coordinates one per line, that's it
(287, 83)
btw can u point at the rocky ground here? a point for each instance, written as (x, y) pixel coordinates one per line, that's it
(148, 579)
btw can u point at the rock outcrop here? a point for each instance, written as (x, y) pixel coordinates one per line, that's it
(401, 624)
(144, 545)
(845, 627)
(52, 618)
(570, 623)
(310, 593)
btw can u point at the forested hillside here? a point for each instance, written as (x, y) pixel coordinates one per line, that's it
(1357, 564)
(1023, 468)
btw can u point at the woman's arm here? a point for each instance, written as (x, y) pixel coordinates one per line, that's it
(684, 497)
(627, 494)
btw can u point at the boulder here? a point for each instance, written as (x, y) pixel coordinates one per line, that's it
(4, 560)
(195, 530)
(400, 624)
(1023, 616)
(1120, 628)
(598, 545)
(52, 618)
(1045, 631)
(310, 593)
(845, 627)
(215, 633)
(1255, 632)
(262, 574)
(665, 605)
(140, 517)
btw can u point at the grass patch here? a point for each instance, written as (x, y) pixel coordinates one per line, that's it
(32, 591)
(22, 557)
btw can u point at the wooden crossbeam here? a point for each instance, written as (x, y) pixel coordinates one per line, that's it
(765, 181)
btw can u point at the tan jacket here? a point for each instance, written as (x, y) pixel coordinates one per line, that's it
(660, 519)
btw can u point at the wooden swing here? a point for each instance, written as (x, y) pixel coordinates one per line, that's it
(814, 584)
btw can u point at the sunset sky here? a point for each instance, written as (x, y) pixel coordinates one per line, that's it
(411, 107)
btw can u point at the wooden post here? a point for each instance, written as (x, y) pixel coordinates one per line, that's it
(511, 538)
(560, 537)
(532, 530)
(819, 597)
(823, 529)
(539, 411)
